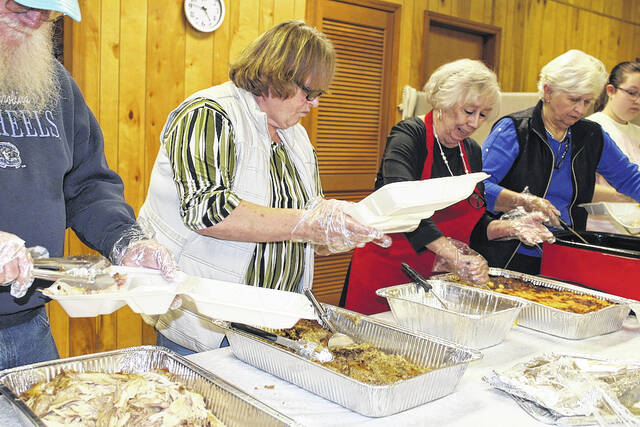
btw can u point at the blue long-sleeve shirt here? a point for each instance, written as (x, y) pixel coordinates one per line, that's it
(501, 148)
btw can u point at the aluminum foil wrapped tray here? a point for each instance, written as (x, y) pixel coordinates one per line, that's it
(448, 359)
(475, 317)
(561, 323)
(228, 403)
(574, 389)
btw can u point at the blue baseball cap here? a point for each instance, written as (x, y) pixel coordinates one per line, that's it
(68, 7)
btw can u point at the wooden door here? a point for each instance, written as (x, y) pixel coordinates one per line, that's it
(448, 38)
(349, 127)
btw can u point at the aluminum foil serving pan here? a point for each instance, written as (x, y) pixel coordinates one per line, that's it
(561, 323)
(475, 317)
(228, 403)
(448, 359)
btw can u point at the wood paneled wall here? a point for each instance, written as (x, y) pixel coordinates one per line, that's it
(136, 60)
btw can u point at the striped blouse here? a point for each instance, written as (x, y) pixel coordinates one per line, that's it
(201, 148)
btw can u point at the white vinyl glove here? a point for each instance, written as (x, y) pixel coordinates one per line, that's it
(325, 223)
(15, 264)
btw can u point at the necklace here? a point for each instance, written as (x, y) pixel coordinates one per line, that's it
(444, 158)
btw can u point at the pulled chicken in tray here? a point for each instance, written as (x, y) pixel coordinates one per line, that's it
(565, 300)
(99, 399)
(362, 362)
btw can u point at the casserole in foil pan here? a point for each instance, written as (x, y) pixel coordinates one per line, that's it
(228, 403)
(476, 318)
(448, 360)
(561, 323)
(574, 389)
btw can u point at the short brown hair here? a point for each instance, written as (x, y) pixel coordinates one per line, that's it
(290, 54)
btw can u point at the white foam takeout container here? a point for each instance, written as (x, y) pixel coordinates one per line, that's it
(146, 291)
(400, 206)
(626, 216)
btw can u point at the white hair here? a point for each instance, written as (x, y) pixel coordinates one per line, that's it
(573, 72)
(462, 82)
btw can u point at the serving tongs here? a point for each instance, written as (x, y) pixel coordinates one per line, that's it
(567, 227)
(83, 271)
(337, 339)
(422, 282)
(307, 349)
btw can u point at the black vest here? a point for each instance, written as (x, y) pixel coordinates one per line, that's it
(533, 167)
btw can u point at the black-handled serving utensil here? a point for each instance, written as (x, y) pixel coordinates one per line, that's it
(421, 282)
(307, 349)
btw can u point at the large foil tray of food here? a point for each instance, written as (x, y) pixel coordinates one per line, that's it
(566, 389)
(447, 362)
(474, 317)
(228, 404)
(600, 313)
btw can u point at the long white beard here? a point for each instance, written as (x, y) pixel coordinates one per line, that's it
(27, 70)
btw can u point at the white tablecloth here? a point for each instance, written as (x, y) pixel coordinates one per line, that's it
(473, 403)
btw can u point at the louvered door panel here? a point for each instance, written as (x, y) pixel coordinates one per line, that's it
(350, 125)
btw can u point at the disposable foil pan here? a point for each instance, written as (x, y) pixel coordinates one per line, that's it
(561, 323)
(448, 359)
(475, 317)
(229, 404)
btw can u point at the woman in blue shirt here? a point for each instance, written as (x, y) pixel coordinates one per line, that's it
(545, 158)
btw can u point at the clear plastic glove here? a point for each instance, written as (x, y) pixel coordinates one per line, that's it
(137, 248)
(533, 203)
(15, 264)
(528, 227)
(325, 223)
(457, 257)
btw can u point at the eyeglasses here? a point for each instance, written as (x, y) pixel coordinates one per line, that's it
(45, 15)
(310, 94)
(634, 94)
(476, 199)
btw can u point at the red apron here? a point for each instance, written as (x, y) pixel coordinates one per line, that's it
(374, 267)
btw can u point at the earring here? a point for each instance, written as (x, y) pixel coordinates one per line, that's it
(439, 114)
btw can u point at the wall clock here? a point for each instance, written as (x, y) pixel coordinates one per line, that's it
(204, 15)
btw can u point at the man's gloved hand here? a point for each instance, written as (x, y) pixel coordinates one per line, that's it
(15, 264)
(327, 224)
(151, 254)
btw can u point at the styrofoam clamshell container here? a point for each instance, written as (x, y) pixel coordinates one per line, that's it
(475, 317)
(564, 324)
(229, 404)
(147, 293)
(448, 359)
(400, 206)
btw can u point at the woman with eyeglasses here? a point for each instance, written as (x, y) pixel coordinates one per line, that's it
(463, 94)
(553, 153)
(235, 191)
(618, 104)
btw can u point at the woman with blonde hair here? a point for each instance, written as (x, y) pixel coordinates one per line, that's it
(463, 94)
(545, 158)
(235, 191)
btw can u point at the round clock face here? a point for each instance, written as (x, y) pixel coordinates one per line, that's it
(204, 15)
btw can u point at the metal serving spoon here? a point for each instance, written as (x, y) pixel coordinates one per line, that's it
(338, 339)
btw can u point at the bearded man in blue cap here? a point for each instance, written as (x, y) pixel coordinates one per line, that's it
(54, 175)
